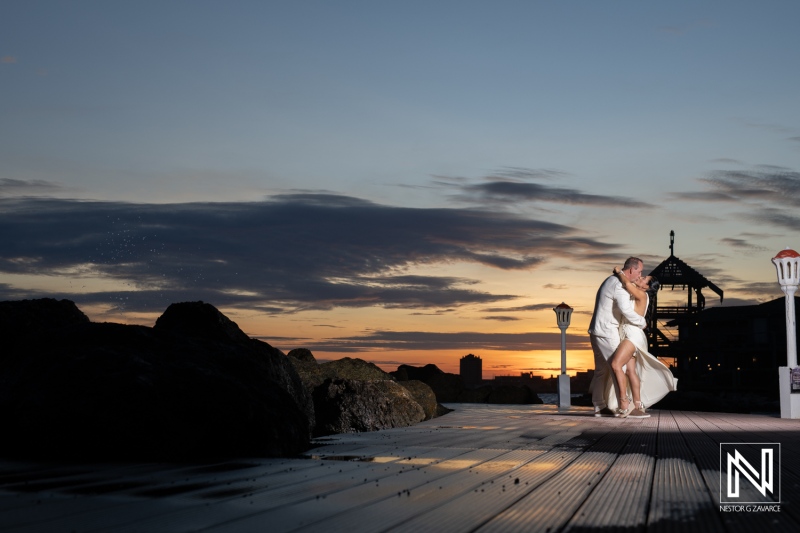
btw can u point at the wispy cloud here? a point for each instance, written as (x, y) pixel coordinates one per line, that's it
(532, 307)
(702, 196)
(771, 127)
(743, 243)
(469, 341)
(511, 186)
(770, 216)
(771, 192)
(15, 187)
(7, 60)
(502, 318)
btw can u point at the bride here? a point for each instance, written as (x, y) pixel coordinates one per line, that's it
(633, 367)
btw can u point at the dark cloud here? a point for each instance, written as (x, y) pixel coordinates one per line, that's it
(513, 185)
(13, 187)
(779, 218)
(501, 318)
(510, 191)
(702, 196)
(521, 173)
(752, 291)
(289, 253)
(776, 185)
(742, 244)
(728, 160)
(774, 128)
(532, 307)
(771, 193)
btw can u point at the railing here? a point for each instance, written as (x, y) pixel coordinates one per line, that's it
(676, 311)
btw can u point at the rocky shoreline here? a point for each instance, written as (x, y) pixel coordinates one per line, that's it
(192, 387)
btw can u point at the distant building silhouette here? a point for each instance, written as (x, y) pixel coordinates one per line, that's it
(579, 383)
(527, 379)
(471, 370)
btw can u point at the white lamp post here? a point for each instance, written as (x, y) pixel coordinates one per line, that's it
(563, 315)
(787, 264)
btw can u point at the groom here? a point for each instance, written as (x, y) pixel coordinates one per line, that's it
(611, 304)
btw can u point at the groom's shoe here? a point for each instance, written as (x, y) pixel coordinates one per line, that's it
(605, 411)
(639, 412)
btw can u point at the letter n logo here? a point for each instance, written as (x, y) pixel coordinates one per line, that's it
(750, 472)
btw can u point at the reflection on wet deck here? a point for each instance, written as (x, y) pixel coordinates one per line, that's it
(479, 468)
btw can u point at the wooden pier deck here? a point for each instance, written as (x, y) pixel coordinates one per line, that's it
(480, 468)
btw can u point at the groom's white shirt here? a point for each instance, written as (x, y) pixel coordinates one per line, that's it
(611, 304)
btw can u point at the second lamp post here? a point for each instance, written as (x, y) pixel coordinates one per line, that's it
(563, 315)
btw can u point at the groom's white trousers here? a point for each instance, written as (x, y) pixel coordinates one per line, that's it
(603, 348)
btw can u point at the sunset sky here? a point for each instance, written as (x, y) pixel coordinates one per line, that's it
(400, 181)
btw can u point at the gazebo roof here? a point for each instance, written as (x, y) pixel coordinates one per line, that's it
(672, 271)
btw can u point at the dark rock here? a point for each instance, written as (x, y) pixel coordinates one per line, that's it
(512, 394)
(420, 373)
(303, 354)
(476, 395)
(313, 374)
(174, 392)
(28, 318)
(447, 387)
(424, 396)
(345, 406)
(200, 320)
(355, 369)
(441, 410)
(308, 371)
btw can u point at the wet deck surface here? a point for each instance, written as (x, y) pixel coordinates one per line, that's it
(480, 468)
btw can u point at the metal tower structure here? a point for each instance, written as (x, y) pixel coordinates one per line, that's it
(673, 273)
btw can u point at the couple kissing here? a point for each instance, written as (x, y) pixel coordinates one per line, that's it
(627, 378)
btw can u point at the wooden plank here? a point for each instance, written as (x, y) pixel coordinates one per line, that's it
(680, 497)
(551, 505)
(336, 476)
(385, 484)
(432, 493)
(461, 506)
(177, 483)
(492, 468)
(471, 508)
(707, 433)
(622, 498)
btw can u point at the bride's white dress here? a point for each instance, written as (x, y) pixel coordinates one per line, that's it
(656, 378)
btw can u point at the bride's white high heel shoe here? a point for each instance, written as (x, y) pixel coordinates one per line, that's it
(623, 412)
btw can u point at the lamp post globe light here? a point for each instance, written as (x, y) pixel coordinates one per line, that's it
(787, 265)
(563, 316)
